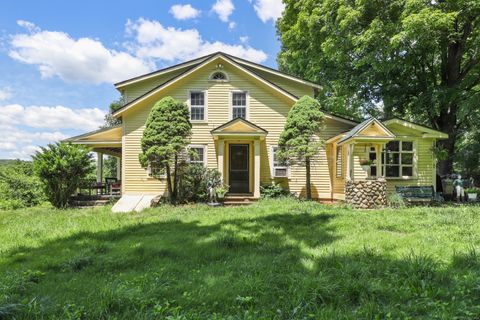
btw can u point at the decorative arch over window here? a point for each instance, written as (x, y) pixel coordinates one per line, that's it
(219, 76)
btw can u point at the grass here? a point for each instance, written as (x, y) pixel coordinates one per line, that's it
(278, 259)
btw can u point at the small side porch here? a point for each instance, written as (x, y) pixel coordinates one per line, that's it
(103, 142)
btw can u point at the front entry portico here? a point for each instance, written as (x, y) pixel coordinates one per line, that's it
(238, 155)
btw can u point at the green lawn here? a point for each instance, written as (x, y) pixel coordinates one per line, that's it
(277, 259)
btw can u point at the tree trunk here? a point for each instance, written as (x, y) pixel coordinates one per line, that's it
(175, 180)
(308, 186)
(169, 183)
(445, 166)
(447, 123)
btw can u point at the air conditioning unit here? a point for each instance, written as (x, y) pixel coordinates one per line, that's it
(280, 172)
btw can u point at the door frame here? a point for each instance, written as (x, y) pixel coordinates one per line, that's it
(250, 161)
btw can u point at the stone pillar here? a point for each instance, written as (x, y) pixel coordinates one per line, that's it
(256, 175)
(99, 167)
(119, 168)
(366, 194)
(220, 157)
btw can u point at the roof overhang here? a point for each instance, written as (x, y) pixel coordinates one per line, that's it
(102, 138)
(369, 131)
(425, 131)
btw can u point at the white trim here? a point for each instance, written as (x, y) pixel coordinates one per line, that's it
(247, 103)
(273, 167)
(227, 78)
(205, 155)
(201, 65)
(414, 165)
(205, 105)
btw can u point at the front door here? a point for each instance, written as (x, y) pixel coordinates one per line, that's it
(238, 170)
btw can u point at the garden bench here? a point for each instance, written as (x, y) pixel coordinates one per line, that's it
(411, 194)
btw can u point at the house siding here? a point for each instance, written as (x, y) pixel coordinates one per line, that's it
(266, 108)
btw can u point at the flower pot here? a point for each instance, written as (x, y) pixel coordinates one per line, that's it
(472, 197)
(365, 167)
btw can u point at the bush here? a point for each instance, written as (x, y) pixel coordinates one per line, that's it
(19, 187)
(396, 201)
(274, 190)
(195, 180)
(61, 167)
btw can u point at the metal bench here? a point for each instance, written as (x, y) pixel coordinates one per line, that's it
(416, 194)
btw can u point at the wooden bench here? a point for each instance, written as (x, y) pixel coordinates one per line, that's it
(416, 194)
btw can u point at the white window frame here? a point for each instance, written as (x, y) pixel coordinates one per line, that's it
(149, 173)
(199, 146)
(247, 103)
(210, 77)
(273, 166)
(205, 105)
(413, 165)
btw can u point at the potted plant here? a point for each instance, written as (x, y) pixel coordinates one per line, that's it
(221, 191)
(366, 164)
(472, 193)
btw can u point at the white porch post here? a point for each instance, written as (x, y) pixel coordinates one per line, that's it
(119, 168)
(99, 167)
(350, 163)
(379, 163)
(256, 176)
(220, 165)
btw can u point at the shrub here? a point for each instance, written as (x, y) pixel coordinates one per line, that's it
(61, 167)
(274, 190)
(396, 201)
(195, 181)
(19, 187)
(472, 190)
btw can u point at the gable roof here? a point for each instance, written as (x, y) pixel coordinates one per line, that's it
(231, 124)
(189, 71)
(426, 131)
(361, 127)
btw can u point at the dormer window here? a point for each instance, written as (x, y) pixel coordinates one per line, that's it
(219, 76)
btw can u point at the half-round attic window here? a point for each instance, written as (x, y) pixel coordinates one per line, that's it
(219, 76)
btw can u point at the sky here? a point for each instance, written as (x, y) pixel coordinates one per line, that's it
(60, 59)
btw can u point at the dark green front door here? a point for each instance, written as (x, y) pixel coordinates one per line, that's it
(238, 169)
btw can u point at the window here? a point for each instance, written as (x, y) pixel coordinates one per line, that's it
(279, 168)
(219, 76)
(197, 105)
(372, 155)
(239, 104)
(156, 171)
(196, 154)
(398, 159)
(338, 163)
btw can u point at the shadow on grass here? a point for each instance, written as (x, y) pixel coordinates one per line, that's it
(277, 266)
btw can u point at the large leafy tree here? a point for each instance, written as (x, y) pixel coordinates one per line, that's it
(62, 167)
(164, 140)
(418, 59)
(109, 120)
(299, 142)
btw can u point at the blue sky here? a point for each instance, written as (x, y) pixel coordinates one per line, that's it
(59, 59)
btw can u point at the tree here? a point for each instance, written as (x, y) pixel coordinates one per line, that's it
(417, 59)
(299, 141)
(61, 167)
(110, 121)
(165, 138)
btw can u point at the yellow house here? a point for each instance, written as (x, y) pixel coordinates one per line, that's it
(238, 110)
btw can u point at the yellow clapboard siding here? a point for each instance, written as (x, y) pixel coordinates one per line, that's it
(266, 108)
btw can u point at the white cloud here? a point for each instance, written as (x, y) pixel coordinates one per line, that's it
(184, 12)
(224, 8)
(244, 39)
(84, 59)
(268, 9)
(24, 129)
(5, 93)
(57, 117)
(232, 25)
(154, 41)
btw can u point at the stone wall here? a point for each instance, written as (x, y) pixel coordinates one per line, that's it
(366, 194)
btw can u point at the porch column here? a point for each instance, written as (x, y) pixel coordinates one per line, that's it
(119, 168)
(221, 145)
(350, 163)
(256, 175)
(379, 164)
(99, 167)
